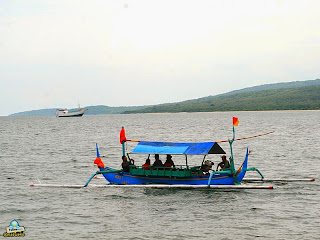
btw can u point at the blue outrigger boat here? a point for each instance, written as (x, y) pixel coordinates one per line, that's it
(182, 174)
(177, 175)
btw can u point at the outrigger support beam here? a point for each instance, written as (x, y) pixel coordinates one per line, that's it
(218, 172)
(93, 175)
(257, 170)
(209, 181)
(100, 172)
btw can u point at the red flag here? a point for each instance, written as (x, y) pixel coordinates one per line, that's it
(235, 121)
(99, 162)
(122, 136)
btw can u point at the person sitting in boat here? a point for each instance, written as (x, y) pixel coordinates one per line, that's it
(125, 163)
(147, 165)
(157, 162)
(224, 164)
(207, 166)
(169, 162)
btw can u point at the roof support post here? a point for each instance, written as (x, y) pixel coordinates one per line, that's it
(203, 159)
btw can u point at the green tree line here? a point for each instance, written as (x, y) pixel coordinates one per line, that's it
(298, 98)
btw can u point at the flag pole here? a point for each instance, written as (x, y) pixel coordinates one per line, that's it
(123, 140)
(123, 149)
(231, 152)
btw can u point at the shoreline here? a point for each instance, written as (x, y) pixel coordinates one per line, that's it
(308, 110)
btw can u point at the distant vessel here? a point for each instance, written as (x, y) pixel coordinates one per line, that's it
(66, 113)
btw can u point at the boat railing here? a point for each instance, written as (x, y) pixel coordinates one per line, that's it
(177, 171)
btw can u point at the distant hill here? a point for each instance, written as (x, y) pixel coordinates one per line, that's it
(282, 85)
(40, 112)
(92, 110)
(299, 95)
(303, 95)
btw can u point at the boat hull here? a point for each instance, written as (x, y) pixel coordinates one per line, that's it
(215, 179)
(76, 114)
(127, 178)
(65, 113)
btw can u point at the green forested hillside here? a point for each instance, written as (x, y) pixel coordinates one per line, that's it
(299, 98)
(296, 84)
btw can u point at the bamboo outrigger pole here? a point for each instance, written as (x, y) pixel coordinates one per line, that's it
(182, 186)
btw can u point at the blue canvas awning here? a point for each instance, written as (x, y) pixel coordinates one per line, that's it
(201, 148)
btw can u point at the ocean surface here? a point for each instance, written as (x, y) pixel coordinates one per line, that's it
(52, 150)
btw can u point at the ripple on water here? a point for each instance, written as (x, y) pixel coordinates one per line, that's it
(55, 151)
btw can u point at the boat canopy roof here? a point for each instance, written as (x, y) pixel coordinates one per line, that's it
(200, 148)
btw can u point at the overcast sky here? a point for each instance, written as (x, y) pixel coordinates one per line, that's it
(56, 53)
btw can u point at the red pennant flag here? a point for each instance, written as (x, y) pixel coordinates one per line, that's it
(235, 121)
(99, 162)
(122, 136)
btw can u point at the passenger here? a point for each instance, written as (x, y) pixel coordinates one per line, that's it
(125, 163)
(147, 165)
(169, 162)
(157, 162)
(224, 164)
(207, 166)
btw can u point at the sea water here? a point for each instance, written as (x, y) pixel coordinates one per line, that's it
(52, 150)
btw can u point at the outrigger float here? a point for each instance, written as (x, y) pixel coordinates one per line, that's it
(181, 176)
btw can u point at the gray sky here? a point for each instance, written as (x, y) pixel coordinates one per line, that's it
(139, 52)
